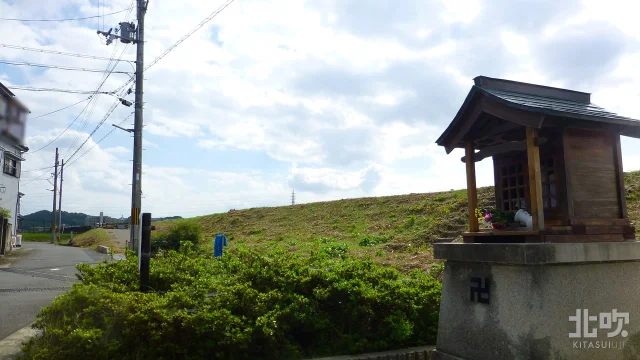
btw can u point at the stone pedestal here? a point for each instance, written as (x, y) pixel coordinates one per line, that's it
(540, 301)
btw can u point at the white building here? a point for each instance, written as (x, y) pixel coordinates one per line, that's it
(13, 116)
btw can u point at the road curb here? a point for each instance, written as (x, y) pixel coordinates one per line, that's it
(10, 347)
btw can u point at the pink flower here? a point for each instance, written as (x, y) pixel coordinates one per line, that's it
(487, 216)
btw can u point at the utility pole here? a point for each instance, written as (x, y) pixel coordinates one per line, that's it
(60, 201)
(55, 190)
(136, 187)
(130, 33)
(293, 197)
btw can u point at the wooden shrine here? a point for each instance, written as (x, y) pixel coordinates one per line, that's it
(554, 153)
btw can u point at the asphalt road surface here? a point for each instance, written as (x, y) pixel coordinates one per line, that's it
(120, 236)
(37, 273)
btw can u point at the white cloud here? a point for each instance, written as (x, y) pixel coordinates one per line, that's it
(332, 86)
(323, 180)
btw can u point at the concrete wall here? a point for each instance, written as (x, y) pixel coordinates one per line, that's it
(527, 316)
(9, 198)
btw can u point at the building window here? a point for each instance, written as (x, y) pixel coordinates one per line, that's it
(548, 180)
(513, 186)
(10, 166)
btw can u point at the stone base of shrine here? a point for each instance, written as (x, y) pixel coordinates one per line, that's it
(539, 301)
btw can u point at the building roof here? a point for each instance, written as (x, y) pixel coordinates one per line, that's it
(537, 99)
(558, 107)
(4, 91)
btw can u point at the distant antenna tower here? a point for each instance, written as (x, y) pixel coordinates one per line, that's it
(293, 197)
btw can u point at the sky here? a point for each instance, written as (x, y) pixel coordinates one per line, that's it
(335, 99)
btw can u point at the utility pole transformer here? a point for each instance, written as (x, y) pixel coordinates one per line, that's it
(136, 188)
(60, 201)
(55, 190)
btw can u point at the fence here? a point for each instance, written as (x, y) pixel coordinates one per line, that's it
(45, 227)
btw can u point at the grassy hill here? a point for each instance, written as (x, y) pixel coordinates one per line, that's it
(392, 230)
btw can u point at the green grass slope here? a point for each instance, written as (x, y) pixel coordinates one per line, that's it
(392, 230)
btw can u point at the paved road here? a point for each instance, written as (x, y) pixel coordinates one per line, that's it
(120, 236)
(38, 273)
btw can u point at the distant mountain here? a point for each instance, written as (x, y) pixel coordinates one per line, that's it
(42, 218)
(166, 218)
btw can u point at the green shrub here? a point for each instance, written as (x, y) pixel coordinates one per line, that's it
(335, 250)
(178, 231)
(410, 221)
(440, 198)
(374, 240)
(244, 305)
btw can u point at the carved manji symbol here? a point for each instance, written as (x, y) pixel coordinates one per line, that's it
(480, 289)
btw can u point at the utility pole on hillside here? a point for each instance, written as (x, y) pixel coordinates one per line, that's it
(293, 197)
(55, 191)
(60, 201)
(130, 33)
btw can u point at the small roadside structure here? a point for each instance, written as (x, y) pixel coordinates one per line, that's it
(558, 260)
(555, 155)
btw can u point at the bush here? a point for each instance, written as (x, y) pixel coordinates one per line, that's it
(178, 231)
(245, 305)
(374, 240)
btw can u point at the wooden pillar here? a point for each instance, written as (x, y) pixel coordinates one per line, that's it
(622, 196)
(535, 184)
(472, 193)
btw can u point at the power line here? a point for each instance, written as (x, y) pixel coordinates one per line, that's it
(105, 77)
(34, 179)
(106, 116)
(47, 51)
(201, 24)
(55, 111)
(69, 91)
(67, 128)
(57, 67)
(170, 48)
(30, 170)
(99, 141)
(69, 19)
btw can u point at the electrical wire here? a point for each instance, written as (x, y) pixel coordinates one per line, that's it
(104, 79)
(201, 24)
(55, 111)
(69, 91)
(34, 179)
(106, 116)
(31, 170)
(57, 67)
(61, 53)
(182, 39)
(65, 130)
(98, 142)
(69, 19)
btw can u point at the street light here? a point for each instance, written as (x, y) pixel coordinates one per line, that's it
(131, 227)
(121, 128)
